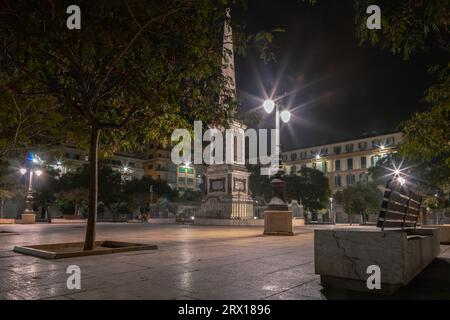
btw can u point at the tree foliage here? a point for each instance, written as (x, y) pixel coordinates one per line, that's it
(362, 199)
(408, 27)
(134, 72)
(311, 187)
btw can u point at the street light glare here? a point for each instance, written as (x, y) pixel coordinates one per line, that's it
(38, 173)
(285, 116)
(269, 105)
(397, 172)
(23, 171)
(401, 180)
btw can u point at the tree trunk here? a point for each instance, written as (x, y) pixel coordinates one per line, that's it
(89, 242)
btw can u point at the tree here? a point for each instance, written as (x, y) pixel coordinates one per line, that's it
(76, 197)
(4, 195)
(362, 199)
(138, 193)
(76, 184)
(9, 186)
(429, 178)
(135, 70)
(259, 184)
(409, 27)
(25, 123)
(311, 187)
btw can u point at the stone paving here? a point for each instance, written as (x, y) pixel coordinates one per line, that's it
(192, 262)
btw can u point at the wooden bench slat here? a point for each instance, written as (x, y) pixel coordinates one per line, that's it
(400, 208)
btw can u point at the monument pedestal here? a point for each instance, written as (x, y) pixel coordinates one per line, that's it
(28, 218)
(278, 223)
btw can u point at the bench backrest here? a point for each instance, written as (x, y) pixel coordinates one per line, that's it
(400, 207)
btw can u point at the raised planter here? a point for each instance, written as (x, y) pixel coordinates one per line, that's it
(7, 221)
(73, 217)
(70, 250)
(342, 256)
(67, 221)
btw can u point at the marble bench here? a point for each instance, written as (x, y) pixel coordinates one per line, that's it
(342, 256)
(444, 232)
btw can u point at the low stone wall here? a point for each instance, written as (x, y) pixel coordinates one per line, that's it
(68, 221)
(161, 220)
(250, 222)
(342, 256)
(7, 221)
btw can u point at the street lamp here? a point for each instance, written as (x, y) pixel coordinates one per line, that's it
(186, 167)
(269, 105)
(277, 203)
(29, 198)
(401, 180)
(333, 217)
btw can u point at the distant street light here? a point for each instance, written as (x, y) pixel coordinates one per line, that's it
(30, 198)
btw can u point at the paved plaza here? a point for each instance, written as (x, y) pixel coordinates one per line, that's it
(192, 262)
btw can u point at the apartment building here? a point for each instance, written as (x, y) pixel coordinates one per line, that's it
(157, 162)
(159, 166)
(69, 158)
(344, 162)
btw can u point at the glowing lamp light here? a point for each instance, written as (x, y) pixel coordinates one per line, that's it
(401, 180)
(317, 156)
(125, 169)
(38, 173)
(285, 116)
(23, 171)
(269, 105)
(397, 172)
(382, 147)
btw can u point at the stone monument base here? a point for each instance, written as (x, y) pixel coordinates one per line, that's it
(278, 223)
(28, 218)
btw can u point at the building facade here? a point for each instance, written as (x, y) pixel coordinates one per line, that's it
(345, 163)
(68, 158)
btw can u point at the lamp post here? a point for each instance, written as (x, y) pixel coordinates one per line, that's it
(186, 168)
(277, 202)
(332, 216)
(28, 216)
(277, 218)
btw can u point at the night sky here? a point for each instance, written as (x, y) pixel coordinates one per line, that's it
(338, 89)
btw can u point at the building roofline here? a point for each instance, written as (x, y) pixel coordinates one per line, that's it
(354, 138)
